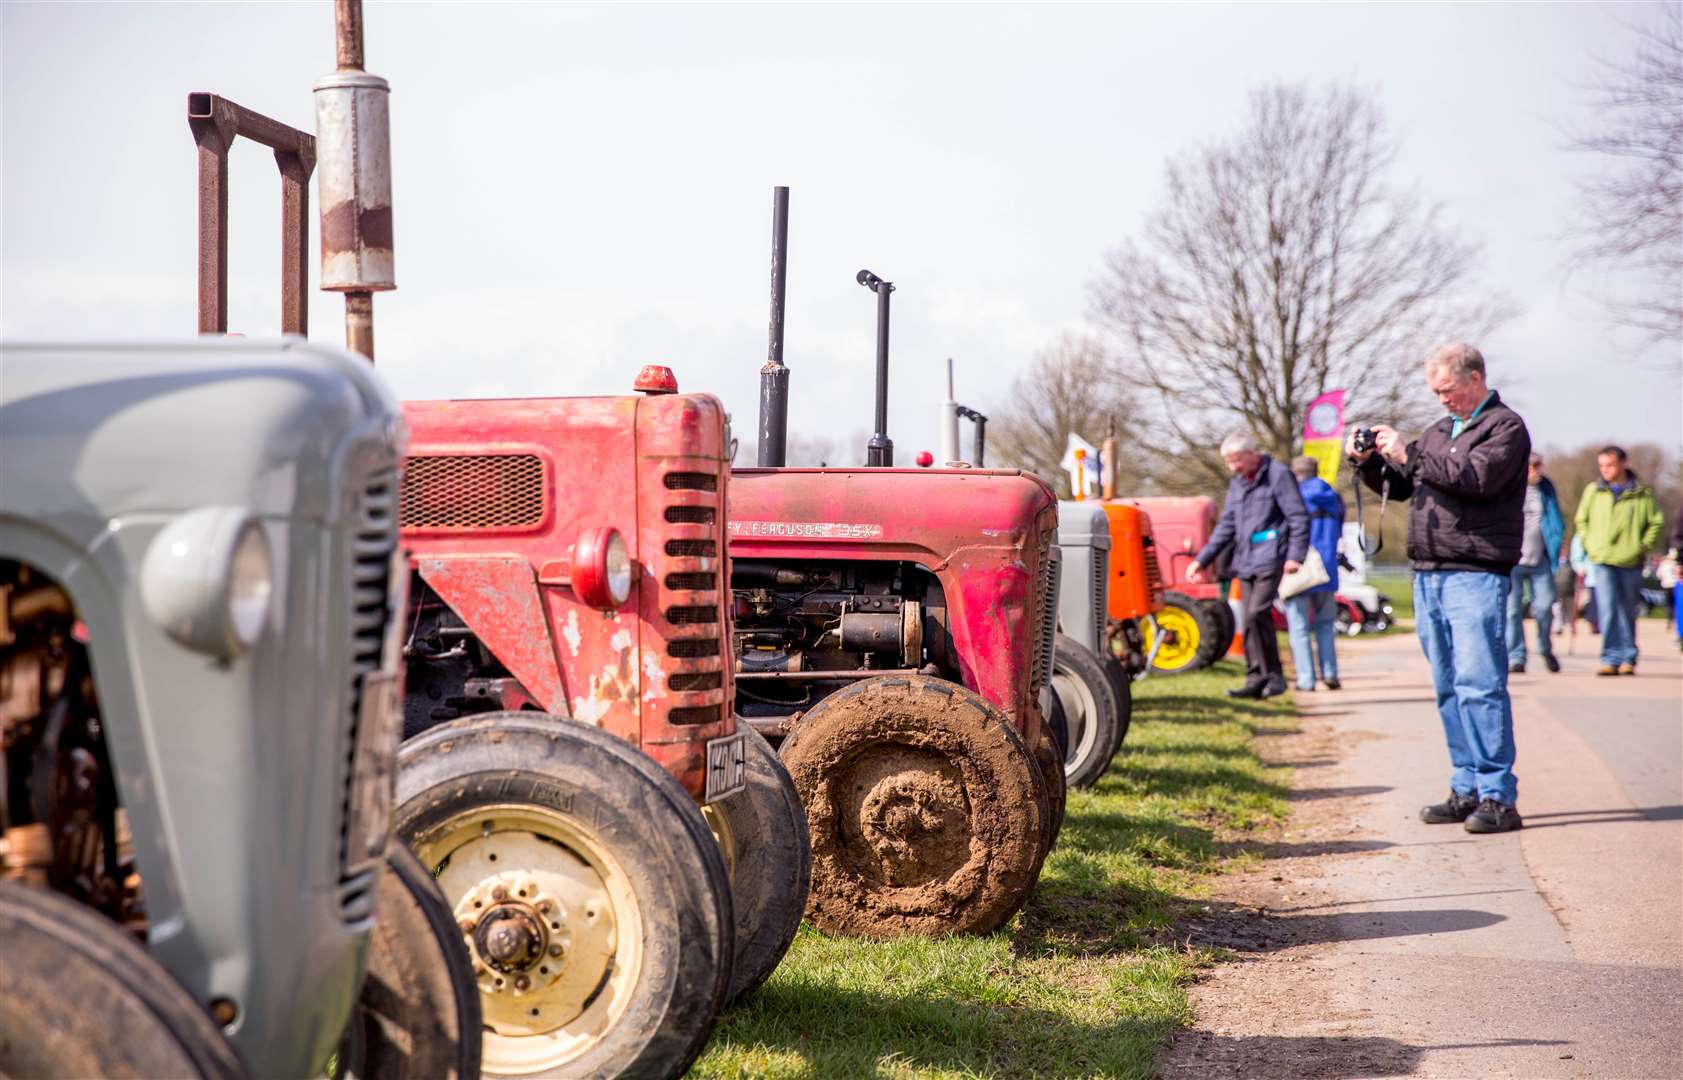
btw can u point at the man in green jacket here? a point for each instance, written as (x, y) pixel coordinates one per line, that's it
(1619, 523)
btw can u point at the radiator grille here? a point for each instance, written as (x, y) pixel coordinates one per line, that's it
(472, 491)
(1101, 597)
(1153, 574)
(1051, 578)
(373, 539)
(686, 576)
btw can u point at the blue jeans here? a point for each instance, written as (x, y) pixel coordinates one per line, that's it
(1541, 581)
(1459, 616)
(1306, 613)
(1617, 588)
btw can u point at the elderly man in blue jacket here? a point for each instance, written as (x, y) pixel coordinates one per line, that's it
(1265, 521)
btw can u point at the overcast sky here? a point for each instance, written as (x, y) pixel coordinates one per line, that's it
(582, 190)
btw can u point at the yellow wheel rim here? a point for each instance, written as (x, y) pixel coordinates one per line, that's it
(1180, 638)
(552, 923)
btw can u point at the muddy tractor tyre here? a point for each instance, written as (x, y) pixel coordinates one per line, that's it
(1191, 637)
(418, 1015)
(80, 997)
(1049, 762)
(1092, 715)
(927, 812)
(590, 892)
(762, 831)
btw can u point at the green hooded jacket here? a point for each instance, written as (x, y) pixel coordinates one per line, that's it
(1619, 531)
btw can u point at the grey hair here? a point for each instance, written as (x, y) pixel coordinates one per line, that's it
(1459, 359)
(1237, 442)
(1304, 466)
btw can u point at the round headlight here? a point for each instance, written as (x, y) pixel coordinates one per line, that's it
(207, 579)
(250, 584)
(616, 567)
(602, 570)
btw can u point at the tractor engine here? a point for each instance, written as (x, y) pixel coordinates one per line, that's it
(803, 629)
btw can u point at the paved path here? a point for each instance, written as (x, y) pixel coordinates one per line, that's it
(1412, 949)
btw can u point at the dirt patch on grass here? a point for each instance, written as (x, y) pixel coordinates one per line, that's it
(1270, 913)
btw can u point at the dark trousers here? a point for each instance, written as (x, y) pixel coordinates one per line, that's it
(1262, 648)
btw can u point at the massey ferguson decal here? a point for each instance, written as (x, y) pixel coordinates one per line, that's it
(806, 530)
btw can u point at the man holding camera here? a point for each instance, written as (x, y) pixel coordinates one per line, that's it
(1265, 522)
(1465, 478)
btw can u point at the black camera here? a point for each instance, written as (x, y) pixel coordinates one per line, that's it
(1363, 440)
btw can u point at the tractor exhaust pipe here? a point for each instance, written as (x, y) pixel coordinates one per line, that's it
(353, 153)
(774, 377)
(981, 423)
(879, 452)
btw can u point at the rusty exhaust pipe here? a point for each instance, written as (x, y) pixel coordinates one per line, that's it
(774, 376)
(353, 129)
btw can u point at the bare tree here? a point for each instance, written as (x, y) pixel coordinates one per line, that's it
(1072, 387)
(1280, 264)
(1632, 210)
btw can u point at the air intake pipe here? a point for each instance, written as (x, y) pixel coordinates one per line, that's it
(879, 452)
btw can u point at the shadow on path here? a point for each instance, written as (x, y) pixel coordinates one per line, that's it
(1309, 1057)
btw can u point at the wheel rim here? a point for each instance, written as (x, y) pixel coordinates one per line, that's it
(1081, 712)
(552, 923)
(904, 816)
(1180, 639)
(723, 834)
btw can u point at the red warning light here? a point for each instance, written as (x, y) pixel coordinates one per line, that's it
(656, 379)
(925, 459)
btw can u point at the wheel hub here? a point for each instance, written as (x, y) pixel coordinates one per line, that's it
(510, 937)
(910, 820)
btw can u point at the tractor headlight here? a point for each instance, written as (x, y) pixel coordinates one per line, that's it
(207, 579)
(601, 568)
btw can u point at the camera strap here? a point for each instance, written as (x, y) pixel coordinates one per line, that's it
(1361, 520)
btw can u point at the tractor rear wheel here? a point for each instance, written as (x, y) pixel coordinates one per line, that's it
(1227, 624)
(762, 832)
(80, 997)
(590, 891)
(1050, 762)
(928, 813)
(1189, 636)
(1123, 688)
(418, 1014)
(1088, 697)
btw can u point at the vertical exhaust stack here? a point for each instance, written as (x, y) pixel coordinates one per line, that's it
(949, 421)
(1107, 463)
(353, 152)
(774, 376)
(879, 452)
(981, 423)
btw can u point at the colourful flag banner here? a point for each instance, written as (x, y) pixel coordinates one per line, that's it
(1323, 433)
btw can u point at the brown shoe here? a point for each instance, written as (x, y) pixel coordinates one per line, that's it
(1606, 669)
(1627, 669)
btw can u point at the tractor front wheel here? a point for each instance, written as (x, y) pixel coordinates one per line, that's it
(928, 813)
(589, 891)
(1188, 636)
(762, 832)
(1088, 696)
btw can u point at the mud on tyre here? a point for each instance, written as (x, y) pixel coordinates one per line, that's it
(592, 894)
(928, 813)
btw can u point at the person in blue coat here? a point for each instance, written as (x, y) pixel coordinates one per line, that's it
(1264, 522)
(1539, 554)
(1312, 615)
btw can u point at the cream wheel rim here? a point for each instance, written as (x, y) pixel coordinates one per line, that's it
(553, 926)
(723, 834)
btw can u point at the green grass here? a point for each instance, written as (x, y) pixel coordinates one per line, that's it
(1090, 978)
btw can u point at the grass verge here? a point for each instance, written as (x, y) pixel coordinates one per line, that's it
(1090, 977)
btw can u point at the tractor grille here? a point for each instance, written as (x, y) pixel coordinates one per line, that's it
(373, 540)
(472, 491)
(1101, 599)
(689, 601)
(1153, 573)
(1051, 578)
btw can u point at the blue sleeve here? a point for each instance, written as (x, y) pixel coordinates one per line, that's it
(1224, 532)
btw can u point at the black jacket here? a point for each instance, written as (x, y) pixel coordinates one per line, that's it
(1267, 503)
(1467, 510)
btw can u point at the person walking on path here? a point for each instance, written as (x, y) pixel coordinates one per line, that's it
(1265, 522)
(1620, 523)
(1313, 613)
(1465, 482)
(1675, 554)
(1539, 554)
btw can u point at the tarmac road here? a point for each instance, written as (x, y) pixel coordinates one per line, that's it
(1395, 948)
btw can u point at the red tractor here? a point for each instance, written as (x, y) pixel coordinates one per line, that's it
(1196, 625)
(894, 628)
(566, 611)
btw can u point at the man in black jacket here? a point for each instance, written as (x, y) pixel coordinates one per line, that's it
(1265, 522)
(1465, 477)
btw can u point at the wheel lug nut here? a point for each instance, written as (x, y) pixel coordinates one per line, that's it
(555, 949)
(523, 983)
(499, 893)
(467, 926)
(544, 906)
